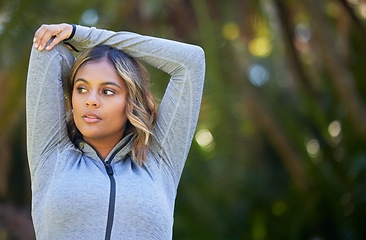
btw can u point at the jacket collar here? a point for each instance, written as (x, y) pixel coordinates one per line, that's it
(121, 151)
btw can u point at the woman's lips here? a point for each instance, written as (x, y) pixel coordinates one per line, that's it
(91, 118)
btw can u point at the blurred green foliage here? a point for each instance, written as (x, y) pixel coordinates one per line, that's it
(279, 151)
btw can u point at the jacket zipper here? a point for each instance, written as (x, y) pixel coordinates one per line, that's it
(112, 199)
(112, 194)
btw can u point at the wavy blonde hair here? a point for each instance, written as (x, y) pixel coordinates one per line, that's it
(141, 109)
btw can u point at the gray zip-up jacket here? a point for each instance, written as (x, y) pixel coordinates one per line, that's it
(77, 195)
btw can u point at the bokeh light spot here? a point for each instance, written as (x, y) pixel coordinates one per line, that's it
(205, 139)
(258, 74)
(260, 47)
(89, 17)
(279, 208)
(313, 147)
(335, 128)
(302, 33)
(230, 31)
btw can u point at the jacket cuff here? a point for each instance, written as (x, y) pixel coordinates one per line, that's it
(71, 36)
(72, 33)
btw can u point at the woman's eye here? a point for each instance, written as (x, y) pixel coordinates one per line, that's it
(108, 92)
(81, 90)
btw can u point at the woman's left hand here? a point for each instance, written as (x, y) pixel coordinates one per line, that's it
(46, 32)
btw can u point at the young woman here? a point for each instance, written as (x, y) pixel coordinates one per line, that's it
(113, 171)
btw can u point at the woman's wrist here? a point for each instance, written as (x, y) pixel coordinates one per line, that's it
(72, 33)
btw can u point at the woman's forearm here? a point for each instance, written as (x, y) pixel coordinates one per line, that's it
(164, 54)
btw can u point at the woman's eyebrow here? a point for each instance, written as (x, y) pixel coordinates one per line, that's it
(80, 80)
(102, 84)
(111, 83)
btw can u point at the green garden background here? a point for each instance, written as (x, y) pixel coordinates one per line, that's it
(280, 146)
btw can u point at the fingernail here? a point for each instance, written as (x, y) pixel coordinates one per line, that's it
(34, 40)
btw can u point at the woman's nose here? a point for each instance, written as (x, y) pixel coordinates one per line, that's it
(92, 101)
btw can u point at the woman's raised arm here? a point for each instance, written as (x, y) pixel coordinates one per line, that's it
(45, 107)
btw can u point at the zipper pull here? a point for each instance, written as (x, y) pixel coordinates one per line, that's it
(109, 168)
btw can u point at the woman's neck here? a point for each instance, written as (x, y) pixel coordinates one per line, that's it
(104, 147)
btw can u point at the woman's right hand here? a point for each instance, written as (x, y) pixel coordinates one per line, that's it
(46, 32)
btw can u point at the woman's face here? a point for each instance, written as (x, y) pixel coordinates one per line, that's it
(99, 101)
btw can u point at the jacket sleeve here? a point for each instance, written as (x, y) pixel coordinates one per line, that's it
(45, 107)
(179, 109)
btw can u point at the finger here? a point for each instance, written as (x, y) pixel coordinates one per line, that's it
(44, 34)
(45, 39)
(39, 35)
(55, 41)
(67, 29)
